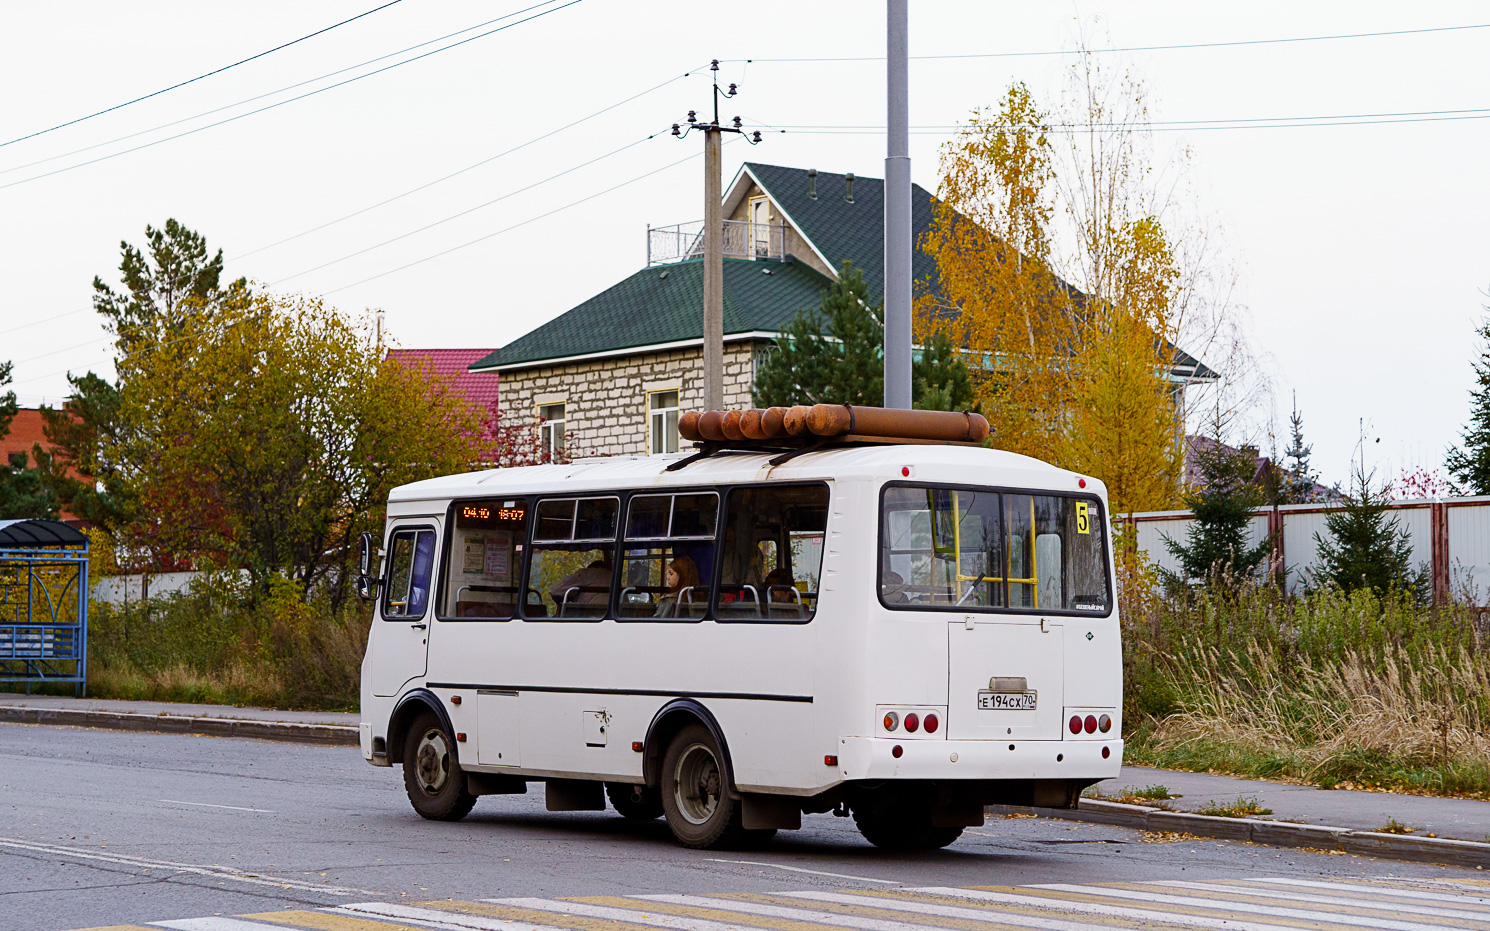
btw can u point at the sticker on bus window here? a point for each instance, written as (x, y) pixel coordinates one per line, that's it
(1083, 522)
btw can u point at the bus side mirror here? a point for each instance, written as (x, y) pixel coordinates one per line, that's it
(367, 554)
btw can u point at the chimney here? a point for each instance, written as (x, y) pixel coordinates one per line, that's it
(849, 191)
(812, 183)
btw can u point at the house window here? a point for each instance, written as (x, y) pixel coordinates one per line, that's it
(662, 422)
(551, 428)
(760, 226)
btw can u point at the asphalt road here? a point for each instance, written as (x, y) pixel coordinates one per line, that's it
(114, 828)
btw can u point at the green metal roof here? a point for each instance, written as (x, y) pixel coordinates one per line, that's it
(664, 304)
(844, 231)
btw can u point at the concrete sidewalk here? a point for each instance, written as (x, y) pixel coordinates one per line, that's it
(323, 727)
(1464, 819)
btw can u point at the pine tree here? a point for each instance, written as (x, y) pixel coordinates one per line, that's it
(1470, 462)
(1366, 548)
(835, 355)
(1216, 540)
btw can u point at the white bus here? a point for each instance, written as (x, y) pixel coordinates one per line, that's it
(903, 633)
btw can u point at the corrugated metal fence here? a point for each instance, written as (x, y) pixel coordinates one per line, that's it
(1451, 536)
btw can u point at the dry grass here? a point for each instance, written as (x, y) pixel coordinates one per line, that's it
(1331, 689)
(216, 645)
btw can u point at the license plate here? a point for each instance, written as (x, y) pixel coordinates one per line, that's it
(1006, 701)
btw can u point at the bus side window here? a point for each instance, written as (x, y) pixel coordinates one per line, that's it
(668, 560)
(485, 556)
(411, 555)
(773, 553)
(571, 569)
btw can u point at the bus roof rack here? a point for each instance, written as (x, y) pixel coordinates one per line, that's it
(796, 431)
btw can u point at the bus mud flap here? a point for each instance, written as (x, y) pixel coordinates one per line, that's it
(771, 811)
(574, 795)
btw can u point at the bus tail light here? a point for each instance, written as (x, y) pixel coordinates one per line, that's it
(892, 721)
(931, 723)
(1091, 724)
(1075, 724)
(1104, 723)
(896, 751)
(912, 722)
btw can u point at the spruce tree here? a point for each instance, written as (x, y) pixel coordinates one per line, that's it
(1222, 502)
(1469, 463)
(1366, 548)
(834, 354)
(1299, 479)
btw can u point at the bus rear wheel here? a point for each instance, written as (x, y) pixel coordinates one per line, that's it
(903, 831)
(634, 803)
(695, 794)
(433, 779)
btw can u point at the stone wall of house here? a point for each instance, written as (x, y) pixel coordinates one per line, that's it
(605, 400)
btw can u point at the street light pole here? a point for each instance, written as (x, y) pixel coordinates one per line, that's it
(714, 240)
(897, 211)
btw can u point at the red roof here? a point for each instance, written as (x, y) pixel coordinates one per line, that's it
(479, 388)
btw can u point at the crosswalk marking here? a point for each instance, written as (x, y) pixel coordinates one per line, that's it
(1152, 898)
(214, 923)
(321, 921)
(867, 918)
(1372, 890)
(435, 918)
(536, 916)
(919, 900)
(1230, 904)
(1229, 892)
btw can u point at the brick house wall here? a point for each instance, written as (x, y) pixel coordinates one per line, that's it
(605, 400)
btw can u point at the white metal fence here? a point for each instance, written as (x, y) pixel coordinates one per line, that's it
(1450, 536)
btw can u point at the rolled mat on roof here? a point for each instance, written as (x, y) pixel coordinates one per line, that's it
(829, 420)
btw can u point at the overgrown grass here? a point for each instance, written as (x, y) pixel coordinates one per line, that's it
(1333, 689)
(1243, 807)
(216, 644)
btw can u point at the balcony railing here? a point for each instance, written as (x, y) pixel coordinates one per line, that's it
(742, 240)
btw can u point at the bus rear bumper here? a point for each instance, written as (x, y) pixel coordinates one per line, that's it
(873, 758)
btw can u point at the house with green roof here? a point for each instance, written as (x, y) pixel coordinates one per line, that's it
(612, 373)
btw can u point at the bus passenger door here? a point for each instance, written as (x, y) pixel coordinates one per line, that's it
(398, 646)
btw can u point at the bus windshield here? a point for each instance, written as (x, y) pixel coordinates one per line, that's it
(964, 548)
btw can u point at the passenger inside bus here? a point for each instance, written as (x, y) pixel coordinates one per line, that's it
(773, 552)
(680, 581)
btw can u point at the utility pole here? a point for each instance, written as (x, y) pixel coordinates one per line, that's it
(714, 240)
(897, 210)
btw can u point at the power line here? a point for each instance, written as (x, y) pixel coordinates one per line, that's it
(257, 97)
(469, 210)
(408, 265)
(461, 171)
(281, 103)
(120, 106)
(1137, 48)
(522, 145)
(1275, 122)
(514, 226)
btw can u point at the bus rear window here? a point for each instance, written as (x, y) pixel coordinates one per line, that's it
(977, 549)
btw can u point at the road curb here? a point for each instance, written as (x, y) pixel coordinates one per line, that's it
(324, 734)
(1271, 833)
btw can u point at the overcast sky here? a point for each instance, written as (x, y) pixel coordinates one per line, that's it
(1362, 252)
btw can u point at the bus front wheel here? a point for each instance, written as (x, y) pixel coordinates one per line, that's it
(695, 793)
(433, 779)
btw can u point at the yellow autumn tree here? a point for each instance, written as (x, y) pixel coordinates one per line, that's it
(264, 433)
(1065, 289)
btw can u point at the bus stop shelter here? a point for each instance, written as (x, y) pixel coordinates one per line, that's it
(43, 603)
